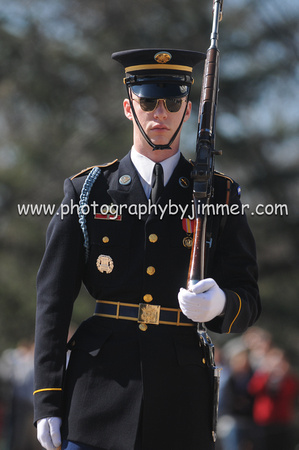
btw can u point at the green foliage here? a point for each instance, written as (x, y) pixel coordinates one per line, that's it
(61, 110)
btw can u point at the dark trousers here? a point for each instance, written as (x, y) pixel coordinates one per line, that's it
(68, 445)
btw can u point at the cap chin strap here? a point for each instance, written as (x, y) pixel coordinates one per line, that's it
(155, 147)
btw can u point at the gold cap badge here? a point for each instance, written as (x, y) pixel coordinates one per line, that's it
(162, 57)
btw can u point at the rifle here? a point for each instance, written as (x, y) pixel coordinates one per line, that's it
(202, 175)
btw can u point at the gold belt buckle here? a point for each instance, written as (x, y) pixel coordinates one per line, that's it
(149, 313)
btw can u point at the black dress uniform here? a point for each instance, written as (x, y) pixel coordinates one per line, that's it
(137, 377)
(126, 380)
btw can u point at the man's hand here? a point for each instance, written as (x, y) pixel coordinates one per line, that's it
(204, 302)
(48, 432)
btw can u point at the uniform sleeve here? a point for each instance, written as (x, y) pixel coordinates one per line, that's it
(58, 284)
(235, 270)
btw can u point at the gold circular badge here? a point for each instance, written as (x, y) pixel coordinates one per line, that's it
(105, 264)
(148, 298)
(153, 238)
(150, 270)
(188, 241)
(162, 57)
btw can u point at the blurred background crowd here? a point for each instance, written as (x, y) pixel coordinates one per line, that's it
(258, 404)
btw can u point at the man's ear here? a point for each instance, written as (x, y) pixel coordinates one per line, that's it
(127, 109)
(188, 111)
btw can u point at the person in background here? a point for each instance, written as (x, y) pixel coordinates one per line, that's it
(16, 374)
(275, 389)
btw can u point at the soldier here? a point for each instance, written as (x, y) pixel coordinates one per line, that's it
(137, 378)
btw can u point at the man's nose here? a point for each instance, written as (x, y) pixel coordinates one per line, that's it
(161, 109)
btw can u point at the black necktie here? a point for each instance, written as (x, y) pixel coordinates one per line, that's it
(158, 183)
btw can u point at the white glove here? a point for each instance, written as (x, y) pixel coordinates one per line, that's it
(204, 302)
(48, 432)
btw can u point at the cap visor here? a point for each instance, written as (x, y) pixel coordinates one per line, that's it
(160, 90)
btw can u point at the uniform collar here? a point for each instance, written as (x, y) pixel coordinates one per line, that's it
(145, 166)
(131, 192)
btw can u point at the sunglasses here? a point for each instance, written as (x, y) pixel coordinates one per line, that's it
(172, 105)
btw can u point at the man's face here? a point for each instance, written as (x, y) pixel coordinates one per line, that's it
(159, 125)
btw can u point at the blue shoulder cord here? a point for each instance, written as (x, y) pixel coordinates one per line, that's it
(84, 196)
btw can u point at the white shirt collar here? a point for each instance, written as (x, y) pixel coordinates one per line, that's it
(145, 166)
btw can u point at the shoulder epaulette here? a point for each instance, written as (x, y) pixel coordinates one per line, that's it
(222, 175)
(229, 182)
(88, 169)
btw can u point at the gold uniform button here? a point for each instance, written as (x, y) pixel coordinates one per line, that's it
(150, 270)
(148, 298)
(105, 239)
(143, 326)
(153, 238)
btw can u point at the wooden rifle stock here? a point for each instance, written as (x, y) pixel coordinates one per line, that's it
(202, 173)
(202, 176)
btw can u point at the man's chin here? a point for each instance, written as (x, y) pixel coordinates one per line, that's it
(160, 140)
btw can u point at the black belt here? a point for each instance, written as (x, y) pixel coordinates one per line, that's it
(144, 313)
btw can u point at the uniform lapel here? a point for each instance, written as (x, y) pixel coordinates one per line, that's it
(125, 186)
(178, 190)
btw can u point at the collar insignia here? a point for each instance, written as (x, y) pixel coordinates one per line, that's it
(125, 180)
